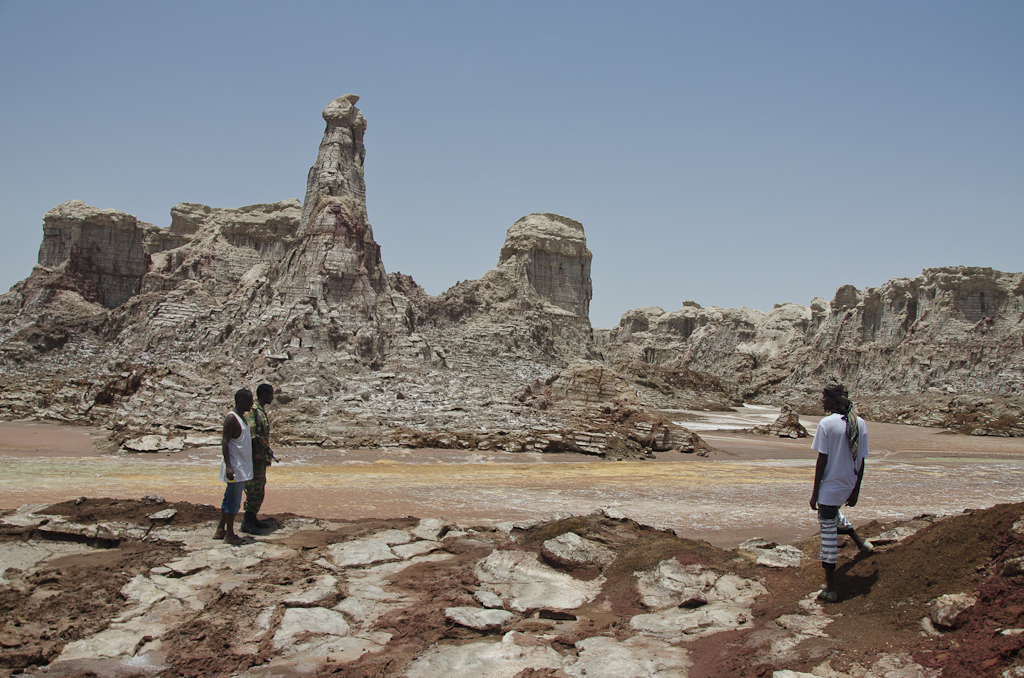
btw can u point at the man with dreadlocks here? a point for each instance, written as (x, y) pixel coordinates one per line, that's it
(841, 442)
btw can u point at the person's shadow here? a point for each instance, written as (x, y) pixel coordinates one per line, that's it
(856, 585)
(274, 526)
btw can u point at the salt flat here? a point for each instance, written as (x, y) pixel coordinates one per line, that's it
(749, 486)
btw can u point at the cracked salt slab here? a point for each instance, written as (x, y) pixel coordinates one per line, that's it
(505, 659)
(478, 618)
(375, 549)
(637, 657)
(668, 585)
(572, 548)
(229, 557)
(330, 636)
(316, 620)
(25, 556)
(805, 624)
(768, 554)
(520, 577)
(322, 587)
(24, 516)
(368, 598)
(429, 529)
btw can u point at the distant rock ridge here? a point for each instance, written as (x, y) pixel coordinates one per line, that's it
(957, 329)
(149, 330)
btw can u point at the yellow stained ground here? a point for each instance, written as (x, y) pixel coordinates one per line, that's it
(752, 486)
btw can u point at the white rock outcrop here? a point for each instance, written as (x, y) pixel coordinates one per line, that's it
(526, 583)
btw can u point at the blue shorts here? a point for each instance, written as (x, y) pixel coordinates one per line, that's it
(232, 497)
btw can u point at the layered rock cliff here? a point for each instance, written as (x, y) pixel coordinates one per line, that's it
(953, 330)
(533, 308)
(150, 330)
(148, 327)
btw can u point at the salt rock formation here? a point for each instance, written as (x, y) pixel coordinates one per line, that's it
(105, 246)
(223, 296)
(524, 319)
(955, 328)
(787, 425)
(543, 270)
(335, 238)
(152, 335)
(549, 253)
(218, 248)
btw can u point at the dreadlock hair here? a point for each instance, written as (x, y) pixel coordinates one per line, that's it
(841, 397)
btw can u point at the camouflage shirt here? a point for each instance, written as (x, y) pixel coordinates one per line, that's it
(259, 425)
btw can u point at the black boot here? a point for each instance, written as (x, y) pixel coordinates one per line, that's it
(262, 524)
(249, 523)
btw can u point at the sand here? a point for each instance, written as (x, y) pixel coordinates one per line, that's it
(750, 486)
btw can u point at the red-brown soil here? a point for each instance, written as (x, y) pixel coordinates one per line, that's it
(884, 596)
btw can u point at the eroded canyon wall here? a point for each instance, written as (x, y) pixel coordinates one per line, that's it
(150, 330)
(948, 332)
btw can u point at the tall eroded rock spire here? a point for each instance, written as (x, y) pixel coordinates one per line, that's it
(336, 178)
(334, 268)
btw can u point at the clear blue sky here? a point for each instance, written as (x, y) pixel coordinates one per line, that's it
(733, 153)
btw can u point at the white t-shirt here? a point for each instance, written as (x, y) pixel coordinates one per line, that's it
(240, 453)
(841, 471)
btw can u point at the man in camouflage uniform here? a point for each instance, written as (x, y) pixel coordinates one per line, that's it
(262, 456)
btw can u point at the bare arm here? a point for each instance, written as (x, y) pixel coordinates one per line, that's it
(852, 501)
(819, 473)
(232, 429)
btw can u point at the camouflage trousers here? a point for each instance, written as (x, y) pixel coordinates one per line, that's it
(255, 488)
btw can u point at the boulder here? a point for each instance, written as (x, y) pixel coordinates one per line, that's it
(572, 550)
(477, 618)
(945, 609)
(786, 426)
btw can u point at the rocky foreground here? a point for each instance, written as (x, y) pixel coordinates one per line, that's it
(139, 588)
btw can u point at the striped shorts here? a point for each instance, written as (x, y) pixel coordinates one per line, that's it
(833, 523)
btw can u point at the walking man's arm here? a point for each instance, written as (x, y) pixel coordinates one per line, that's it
(852, 501)
(819, 473)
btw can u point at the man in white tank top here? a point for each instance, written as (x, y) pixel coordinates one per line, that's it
(235, 465)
